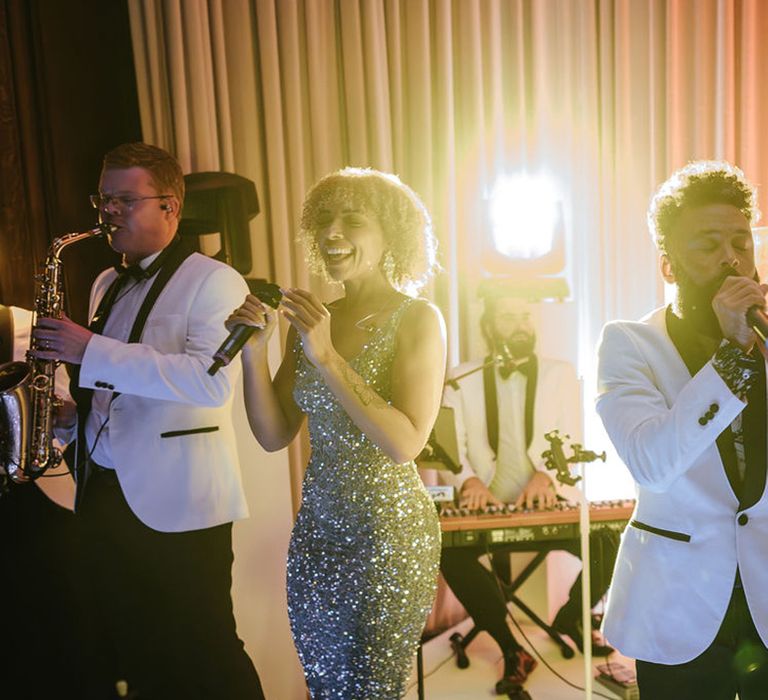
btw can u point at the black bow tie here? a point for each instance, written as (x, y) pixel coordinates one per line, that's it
(506, 368)
(134, 271)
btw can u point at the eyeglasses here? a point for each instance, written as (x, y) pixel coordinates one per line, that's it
(101, 201)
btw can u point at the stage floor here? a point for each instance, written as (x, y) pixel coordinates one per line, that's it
(449, 682)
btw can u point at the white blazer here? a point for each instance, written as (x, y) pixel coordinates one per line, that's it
(674, 578)
(170, 428)
(556, 407)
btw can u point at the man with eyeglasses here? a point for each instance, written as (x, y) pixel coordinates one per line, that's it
(158, 475)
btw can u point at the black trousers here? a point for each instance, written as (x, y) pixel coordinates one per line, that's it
(478, 592)
(165, 603)
(44, 616)
(736, 662)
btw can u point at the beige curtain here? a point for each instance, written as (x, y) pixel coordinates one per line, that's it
(605, 96)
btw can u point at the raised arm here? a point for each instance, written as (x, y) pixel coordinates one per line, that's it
(170, 363)
(659, 438)
(272, 413)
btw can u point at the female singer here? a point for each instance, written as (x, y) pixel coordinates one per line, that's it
(367, 371)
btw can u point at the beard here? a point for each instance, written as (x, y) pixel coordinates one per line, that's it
(694, 301)
(518, 345)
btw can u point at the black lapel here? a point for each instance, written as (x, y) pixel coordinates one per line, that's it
(754, 427)
(172, 258)
(177, 255)
(491, 404)
(530, 398)
(695, 357)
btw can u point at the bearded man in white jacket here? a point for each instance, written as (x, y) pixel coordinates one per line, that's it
(682, 394)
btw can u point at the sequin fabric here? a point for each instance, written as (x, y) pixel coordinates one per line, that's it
(365, 549)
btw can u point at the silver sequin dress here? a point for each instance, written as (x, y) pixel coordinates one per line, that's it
(365, 550)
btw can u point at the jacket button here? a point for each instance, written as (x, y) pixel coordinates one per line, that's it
(743, 519)
(714, 408)
(703, 421)
(99, 384)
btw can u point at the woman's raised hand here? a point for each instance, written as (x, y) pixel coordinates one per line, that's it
(253, 312)
(312, 322)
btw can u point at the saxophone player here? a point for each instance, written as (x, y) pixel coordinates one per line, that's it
(158, 475)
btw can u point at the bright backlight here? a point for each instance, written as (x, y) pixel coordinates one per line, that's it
(524, 211)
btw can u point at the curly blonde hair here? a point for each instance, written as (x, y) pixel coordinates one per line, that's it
(410, 258)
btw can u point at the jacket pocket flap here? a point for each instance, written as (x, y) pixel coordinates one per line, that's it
(671, 534)
(191, 431)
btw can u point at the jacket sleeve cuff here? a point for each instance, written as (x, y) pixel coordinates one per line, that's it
(736, 368)
(96, 356)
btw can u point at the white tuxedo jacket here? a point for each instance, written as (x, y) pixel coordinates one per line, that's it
(170, 428)
(556, 407)
(676, 566)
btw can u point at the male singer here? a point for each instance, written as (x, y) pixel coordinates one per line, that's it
(682, 394)
(158, 476)
(502, 414)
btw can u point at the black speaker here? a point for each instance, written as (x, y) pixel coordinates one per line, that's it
(221, 203)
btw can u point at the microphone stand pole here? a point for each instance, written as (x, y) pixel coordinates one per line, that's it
(555, 459)
(586, 586)
(454, 381)
(434, 451)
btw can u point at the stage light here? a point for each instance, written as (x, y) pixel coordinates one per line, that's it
(524, 239)
(524, 213)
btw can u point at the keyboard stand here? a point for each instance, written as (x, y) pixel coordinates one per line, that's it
(509, 593)
(460, 642)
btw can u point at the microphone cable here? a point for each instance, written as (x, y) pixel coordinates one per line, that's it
(503, 597)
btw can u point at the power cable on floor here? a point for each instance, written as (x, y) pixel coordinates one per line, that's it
(500, 587)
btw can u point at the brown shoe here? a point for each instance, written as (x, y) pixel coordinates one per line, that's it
(518, 665)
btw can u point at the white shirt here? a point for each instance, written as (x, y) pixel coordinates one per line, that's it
(22, 331)
(513, 466)
(557, 406)
(121, 318)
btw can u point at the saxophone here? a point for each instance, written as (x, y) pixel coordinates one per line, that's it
(27, 389)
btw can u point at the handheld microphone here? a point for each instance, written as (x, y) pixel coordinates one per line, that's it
(758, 322)
(268, 293)
(505, 354)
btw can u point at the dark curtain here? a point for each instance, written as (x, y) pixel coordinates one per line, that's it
(67, 95)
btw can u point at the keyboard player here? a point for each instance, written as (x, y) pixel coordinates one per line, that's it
(502, 412)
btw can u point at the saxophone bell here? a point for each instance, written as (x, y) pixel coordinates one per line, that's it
(28, 401)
